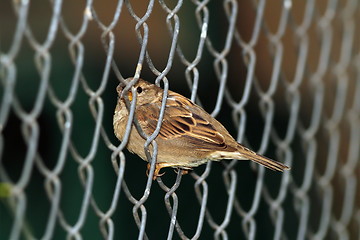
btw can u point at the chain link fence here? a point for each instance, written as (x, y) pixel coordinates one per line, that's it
(282, 76)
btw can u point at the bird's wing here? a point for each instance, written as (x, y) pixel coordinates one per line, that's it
(181, 121)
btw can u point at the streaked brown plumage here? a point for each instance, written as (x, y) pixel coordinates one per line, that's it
(188, 137)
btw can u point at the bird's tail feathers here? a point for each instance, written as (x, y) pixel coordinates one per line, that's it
(267, 162)
(262, 160)
(247, 154)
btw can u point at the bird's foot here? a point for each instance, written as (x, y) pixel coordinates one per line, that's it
(156, 171)
(182, 170)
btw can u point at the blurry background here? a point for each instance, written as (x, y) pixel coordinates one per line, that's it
(282, 76)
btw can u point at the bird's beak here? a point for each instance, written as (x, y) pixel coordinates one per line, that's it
(120, 92)
(130, 95)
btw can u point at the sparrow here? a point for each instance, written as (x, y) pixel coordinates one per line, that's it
(188, 136)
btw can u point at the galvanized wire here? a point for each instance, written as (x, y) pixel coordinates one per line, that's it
(312, 87)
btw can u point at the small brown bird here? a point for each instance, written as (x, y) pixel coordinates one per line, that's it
(188, 137)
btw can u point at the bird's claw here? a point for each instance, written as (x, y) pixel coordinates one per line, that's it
(156, 171)
(183, 171)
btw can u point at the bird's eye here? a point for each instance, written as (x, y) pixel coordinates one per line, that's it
(139, 90)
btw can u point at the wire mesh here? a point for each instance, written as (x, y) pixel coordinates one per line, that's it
(284, 77)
